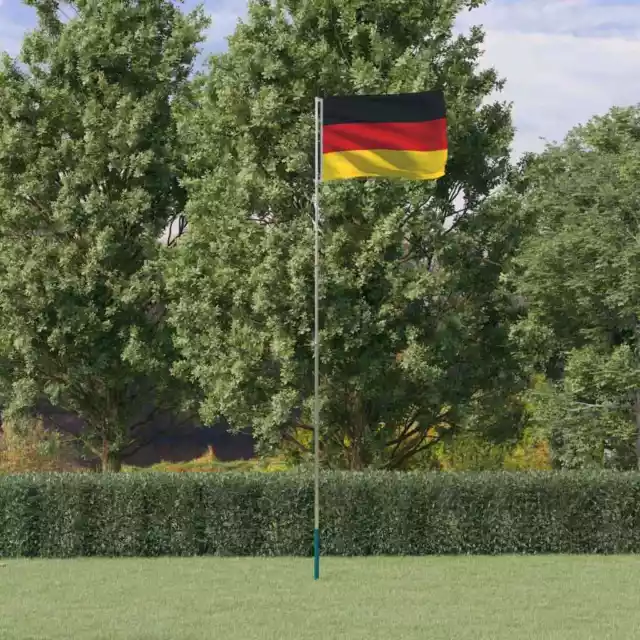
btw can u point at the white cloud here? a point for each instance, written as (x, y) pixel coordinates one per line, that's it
(10, 35)
(223, 22)
(564, 61)
(11, 30)
(611, 18)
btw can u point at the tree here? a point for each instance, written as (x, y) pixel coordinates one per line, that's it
(414, 316)
(580, 276)
(89, 163)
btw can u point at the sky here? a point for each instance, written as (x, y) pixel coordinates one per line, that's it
(564, 60)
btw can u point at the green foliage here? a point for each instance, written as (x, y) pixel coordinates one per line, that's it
(25, 445)
(89, 164)
(380, 513)
(469, 451)
(415, 320)
(579, 273)
(209, 463)
(581, 434)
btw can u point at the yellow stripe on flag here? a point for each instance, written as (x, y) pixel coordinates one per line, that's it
(413, 165)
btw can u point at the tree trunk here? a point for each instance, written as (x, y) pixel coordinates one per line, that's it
(112, 464)
(356, 462)
(359, 427)
(110, 461)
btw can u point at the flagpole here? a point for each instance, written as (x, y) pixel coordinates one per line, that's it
(316, 344)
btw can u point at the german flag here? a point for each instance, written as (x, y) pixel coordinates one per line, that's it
(388, 136)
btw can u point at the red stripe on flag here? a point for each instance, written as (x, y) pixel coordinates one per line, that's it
(429, 135)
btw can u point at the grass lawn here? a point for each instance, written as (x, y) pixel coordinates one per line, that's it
(503, 598)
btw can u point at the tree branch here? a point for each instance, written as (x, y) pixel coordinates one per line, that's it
(137, 442)
(416, 210)
(289, 438)
(405, 433)
(413, 452)
(145, 421)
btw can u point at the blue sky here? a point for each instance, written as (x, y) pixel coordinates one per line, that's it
(564, 60)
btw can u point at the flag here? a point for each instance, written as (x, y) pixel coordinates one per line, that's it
(386, 136)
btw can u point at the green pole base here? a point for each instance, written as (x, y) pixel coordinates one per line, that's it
(316, 554)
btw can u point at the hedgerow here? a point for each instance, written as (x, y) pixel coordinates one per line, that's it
(234, 514)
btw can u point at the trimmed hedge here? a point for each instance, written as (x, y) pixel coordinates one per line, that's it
(64, 515)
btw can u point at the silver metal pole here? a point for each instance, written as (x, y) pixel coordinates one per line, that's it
(316, 344)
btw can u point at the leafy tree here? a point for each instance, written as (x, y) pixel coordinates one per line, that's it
(414, 316)
(580, 276)
(88, 182)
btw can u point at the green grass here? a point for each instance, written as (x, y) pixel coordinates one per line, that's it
(502, 598)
